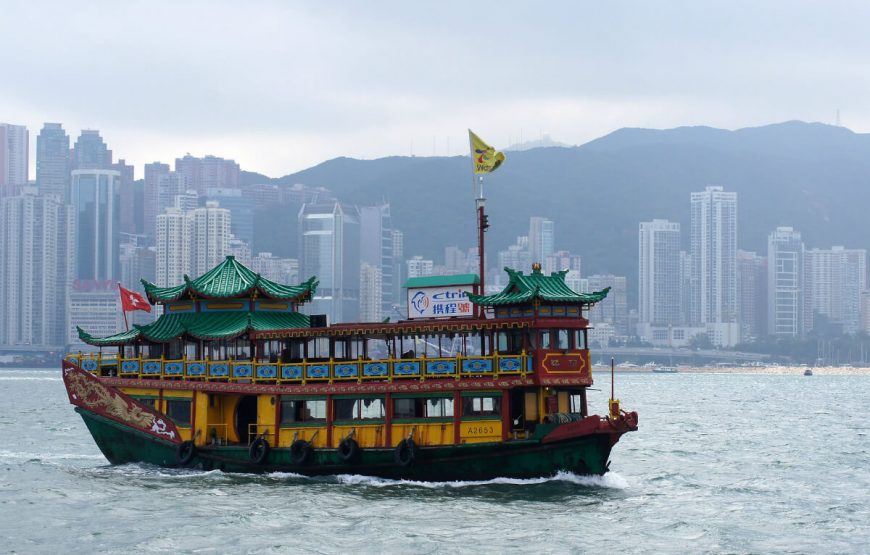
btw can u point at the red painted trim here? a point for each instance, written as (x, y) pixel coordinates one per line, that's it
(457, 417)
(193, 417)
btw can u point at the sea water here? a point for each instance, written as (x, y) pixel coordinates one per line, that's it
(721, 464)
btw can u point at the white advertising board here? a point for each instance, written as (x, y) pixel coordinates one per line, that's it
(439, 302)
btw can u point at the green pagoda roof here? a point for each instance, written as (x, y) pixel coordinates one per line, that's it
(209, 325)
(523, 289)
(230, 279)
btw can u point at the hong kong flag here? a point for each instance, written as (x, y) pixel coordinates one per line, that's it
(130, 301)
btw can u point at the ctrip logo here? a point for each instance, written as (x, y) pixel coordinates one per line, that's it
(420, 302)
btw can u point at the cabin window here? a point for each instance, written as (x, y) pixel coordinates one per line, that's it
(509, 342)
(561, 337)
(439, 407)
(318, 348)
(302, 410)
(481, 406)
(147, 401)
(576, 403)
(408, 347)
(178, 410)
(359, 409)
(546, 339)
(339, 349)
(419, 407)
(580, 339)
(378, 349)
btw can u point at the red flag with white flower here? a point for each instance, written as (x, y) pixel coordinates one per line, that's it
(131, 300)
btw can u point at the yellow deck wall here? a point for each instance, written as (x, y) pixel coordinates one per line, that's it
(367, 435)
(480, 431)
(436, 433)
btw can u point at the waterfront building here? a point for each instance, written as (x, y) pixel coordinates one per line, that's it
(96, 201)
(751, 295)
(329, 249)
(127, 196)
(241, 206)
(371, 305)
(210, 172)
(210, 233)
(152, 207)
(14, 158)
(714, 256)
(515, 256)
(659, 273)
(785, 283)
(238, 249)
(35, 267)
(90, 152)
(561, 260)
(95, 305)
(53, 162)
(419, 267)
(614, 309)
(377, 250)
(279, 270)
(173, 247)
(542, 238)
(835, 279)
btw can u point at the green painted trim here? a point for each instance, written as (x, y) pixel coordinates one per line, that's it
(137, 397)
(493, 418)
(433, 395)
(305, 424)
(428, 420)
(297, 397)
(481, 394)
(360, 422)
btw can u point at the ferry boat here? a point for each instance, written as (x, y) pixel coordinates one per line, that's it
(232, 376)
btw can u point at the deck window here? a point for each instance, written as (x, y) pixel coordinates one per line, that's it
(481, 406)
(299, 410)
(359, 409)
(561, 339)
(580, 339)
(178, 410)
(438, 407)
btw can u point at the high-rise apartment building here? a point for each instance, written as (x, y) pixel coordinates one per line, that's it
(659, 273)
(329, 239)
(53, 162)
(173, 248)
(614, 309)
(152, 206)
(193, 242)
(542, 238)
(785, 283)
(35, 266)
(751, 295)
(207, 173)
(209, 237)
(14, 158)
(371, 305)
(90, 152)
(714, 256)
(835, 278)
(97, 203)
(242, 208)
(127, 196)
(377, 250)
(419, 267)
(561, 260)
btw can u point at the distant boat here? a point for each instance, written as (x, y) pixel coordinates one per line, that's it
(808, 372)
(665, 370)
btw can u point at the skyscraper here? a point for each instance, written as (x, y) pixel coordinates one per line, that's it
(35, 237)
(173, 248)
(785, 282)
(751, 295)
(614, 309)
(329, 249)
(376, 250)
(207, 173)
(127, 196)
(97, 204)
(659, 273)
(714, 256)
(542, 238)
(242, 208)
(209, 237)
(52, 162)
(152, 207)
(90, 152)
(14, 152)
(835, 278)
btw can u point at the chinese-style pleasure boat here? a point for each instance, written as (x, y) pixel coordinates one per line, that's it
(233, 377)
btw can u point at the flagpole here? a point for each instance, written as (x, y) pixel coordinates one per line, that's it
(481, 231)
(124, 312)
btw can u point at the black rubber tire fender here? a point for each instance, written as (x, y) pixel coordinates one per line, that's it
(185, 452)
(300, 452)
(348, 450)
(258, 452)
(406, 452)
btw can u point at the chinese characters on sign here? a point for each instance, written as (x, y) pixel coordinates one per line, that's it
(434, 302)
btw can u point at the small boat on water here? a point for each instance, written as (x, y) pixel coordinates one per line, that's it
(808, 372)
(665, 370)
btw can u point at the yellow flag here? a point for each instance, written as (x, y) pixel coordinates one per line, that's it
(486, 159)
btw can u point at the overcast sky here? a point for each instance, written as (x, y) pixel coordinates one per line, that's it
(281, 86)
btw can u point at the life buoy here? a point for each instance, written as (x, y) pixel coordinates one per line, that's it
(185, 452)
(406, 452)
(348, 450)
(300, 452)
(259, 450)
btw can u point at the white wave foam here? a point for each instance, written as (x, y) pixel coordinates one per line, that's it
(29, 379)
(22, 456)
(609, 481)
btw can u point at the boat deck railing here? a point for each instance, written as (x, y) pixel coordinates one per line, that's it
(304, 371)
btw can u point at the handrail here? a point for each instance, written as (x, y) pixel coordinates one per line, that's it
(306, 371)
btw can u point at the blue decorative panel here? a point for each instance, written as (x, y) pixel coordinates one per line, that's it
(346, 370)
(130, 366)
(441, 367)
(196, 369)
(219, 370)
(477, 365)
(375, 369)
(242, 370)
(173, 369)
(293, 372)
(318, 371)
(513, 364)
(152, 368)
(269, 371)
(89, 365)
(406, 368)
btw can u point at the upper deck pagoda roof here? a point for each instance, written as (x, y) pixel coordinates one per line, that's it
(228, 280)
(524, 289)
